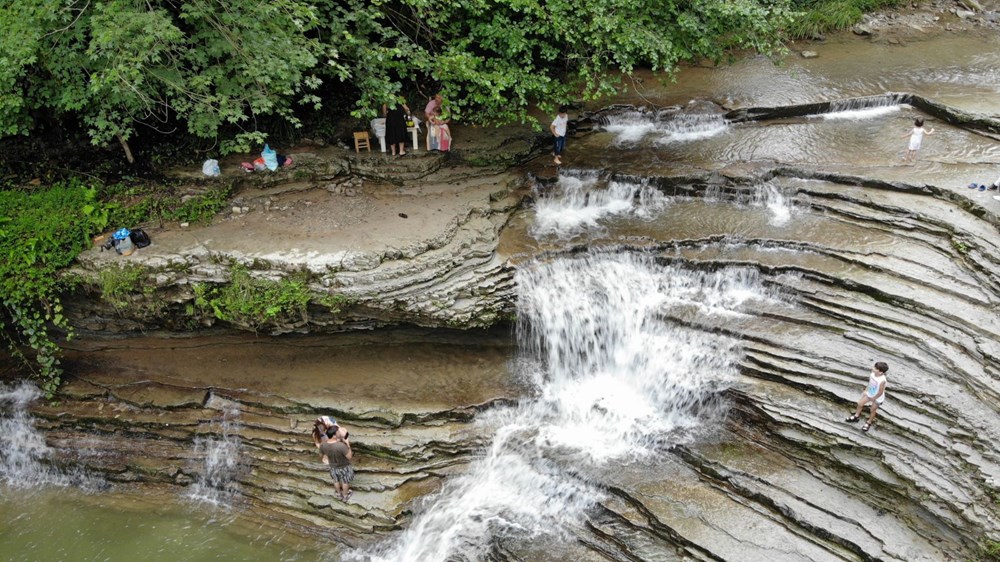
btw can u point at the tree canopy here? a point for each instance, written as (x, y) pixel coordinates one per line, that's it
(213, 68)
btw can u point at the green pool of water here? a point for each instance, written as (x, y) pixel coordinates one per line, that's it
(56, 524)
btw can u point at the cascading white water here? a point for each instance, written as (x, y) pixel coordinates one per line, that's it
(864, 108)
(615, 379)
(691, 127)
(220, 462)
(23, 450)
(577, 202)
(24, 455)
(774, 200)
(664, 126)
(631, 126)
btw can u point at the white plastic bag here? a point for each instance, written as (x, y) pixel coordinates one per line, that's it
(211, 168)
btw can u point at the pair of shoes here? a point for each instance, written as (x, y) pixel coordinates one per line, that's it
(866, 427)
(852, 419)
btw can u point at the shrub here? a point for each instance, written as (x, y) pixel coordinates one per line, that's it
(41, 231)
(254, 302)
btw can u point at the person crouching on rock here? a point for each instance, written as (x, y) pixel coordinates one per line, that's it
(339, 452)
(874, 395)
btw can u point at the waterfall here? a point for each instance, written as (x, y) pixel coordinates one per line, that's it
(23, 451)
(24, 455)
(690, 127)
(577, 202)
(665, 126)
(779, 206)
(631, 126)
(865, 107)
(614, 379)
(220, 463)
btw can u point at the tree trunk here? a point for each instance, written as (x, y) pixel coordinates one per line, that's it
(128, 151)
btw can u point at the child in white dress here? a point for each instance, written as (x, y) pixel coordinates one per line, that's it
(916, 136)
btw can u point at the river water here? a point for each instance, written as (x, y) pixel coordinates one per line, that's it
(602, 427)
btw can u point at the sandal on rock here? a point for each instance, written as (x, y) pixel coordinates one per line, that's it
(348, 496)
(865, 427)
(852, 419)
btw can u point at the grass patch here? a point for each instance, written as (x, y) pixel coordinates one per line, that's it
(989, 551)
(821, 16)
(254, 302)
(120, 283)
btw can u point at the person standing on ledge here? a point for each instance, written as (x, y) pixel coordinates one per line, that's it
(433, 107)
(874, 394)
(558, 128)
(340, 454)
(395, 126)
(916, 135)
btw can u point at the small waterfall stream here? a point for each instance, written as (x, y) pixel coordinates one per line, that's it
(778, 204)
(663, 126)
(865, 107)
(23, 450)
(219, 458)
(614, 380)
(25, 458)
(578, 201)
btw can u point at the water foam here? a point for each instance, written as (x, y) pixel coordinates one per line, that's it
(869, 107)
(614, 380)
(663, 126)
(774, 200)
(577, 204)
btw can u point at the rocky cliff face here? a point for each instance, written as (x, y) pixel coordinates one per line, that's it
(366, 254)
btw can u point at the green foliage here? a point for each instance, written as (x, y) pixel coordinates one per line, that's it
(989, 551)
(960, 246)
(254, 302)
(820, 16)
(334, 302)
(220, 68)
(119, 283)
(119, 64)
(200, 208)
(132, 204)
(41, 232)
(493, 59)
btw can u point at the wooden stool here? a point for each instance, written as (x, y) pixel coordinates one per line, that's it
(362, 140)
